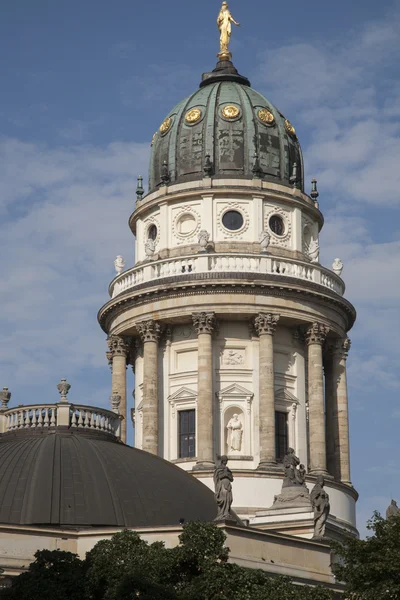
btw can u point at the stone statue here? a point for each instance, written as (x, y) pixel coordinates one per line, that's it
(337, 266)
(235, 433)
(320, 503)
(295, 473)
(224, 24)
(119, 264)
(203, 239)
(150, 248)
(313, 251)
(223, 490)
(392, 509)
(265, 239)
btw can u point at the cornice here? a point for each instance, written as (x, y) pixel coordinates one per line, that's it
(222, 283)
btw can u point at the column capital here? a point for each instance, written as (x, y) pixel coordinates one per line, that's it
(204, 322)
(341, 348)
(149, 331)
(266, 323)
(118, 346)
(316, 333)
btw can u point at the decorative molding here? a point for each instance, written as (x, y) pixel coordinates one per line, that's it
(266, 323)
(316, 334)
(182, 396)
(204, 322)
(235, 393)
(184, 332)
(184, 238)
(149, 331)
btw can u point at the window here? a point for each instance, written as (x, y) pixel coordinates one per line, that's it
(187, 433)
(232, 220)
(152, 233)
(281, 434)
(277, 225)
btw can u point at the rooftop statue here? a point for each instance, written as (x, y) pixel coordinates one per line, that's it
(224, 24)
(392, 509)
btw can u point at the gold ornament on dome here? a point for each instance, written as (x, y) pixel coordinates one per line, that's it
(230, 111)
(166, 125)
(193, 115)
(289, 127)
(153, 139)
(266, 116)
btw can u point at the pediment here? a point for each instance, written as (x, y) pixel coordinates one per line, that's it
(284, 395)
(235, 390)
(182, 393)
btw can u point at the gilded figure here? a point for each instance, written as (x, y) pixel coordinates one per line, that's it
(224, 22)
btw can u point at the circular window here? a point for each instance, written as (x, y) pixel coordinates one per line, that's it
(152, 233)
(186, 224)
(232, 220)
(276, 225)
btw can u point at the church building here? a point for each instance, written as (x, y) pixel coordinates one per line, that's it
(238, 339)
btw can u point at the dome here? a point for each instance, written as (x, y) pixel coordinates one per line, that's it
(73, 478)
(225, 130)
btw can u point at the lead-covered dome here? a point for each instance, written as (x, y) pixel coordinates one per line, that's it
(225, 130)
(78, 479)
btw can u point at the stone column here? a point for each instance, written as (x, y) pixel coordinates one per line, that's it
(150, 332)
(329, 418)
(265, 326)
(316, 335)
(204, 324)
(117, 357)
(341, 411)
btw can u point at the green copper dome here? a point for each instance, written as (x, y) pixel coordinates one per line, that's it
(225, 130)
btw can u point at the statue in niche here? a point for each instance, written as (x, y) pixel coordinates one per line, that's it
(392, 509)
(223, 490)
(295, 472)
(320, 503)
(235, 433)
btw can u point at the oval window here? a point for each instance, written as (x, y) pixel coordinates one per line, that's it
(277, 225)
(152, 233)
(232, 220)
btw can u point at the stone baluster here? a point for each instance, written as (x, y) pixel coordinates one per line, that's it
(341, 411)
(265, 326)
(150, 332)
(204, 324)
(117, 357)
(315, 336)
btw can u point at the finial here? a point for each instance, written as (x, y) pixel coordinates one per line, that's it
(63, 387)
(139, 189)
(293, 178)
(165, 176)
(208, 166)
(314, 192)
(119, 264)
(256, 169)
(224, 21)
(5, 397)
(115, 402)
(337, 266)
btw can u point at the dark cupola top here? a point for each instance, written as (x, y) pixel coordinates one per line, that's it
(225, 129)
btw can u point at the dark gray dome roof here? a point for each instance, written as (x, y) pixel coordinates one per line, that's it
(229, 122)
(65, 478)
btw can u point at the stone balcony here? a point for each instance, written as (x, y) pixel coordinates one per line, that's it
(250, 264)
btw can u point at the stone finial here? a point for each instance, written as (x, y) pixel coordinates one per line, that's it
(337, 266)
(314, 192)
(150, 248)
(266, 323)
(294, 177)
(256, 168)
(63, 387)
(265, 239)
(204, 322)
(115, 400)
(119, 264)
(203, 239)
(5, 397)
(140, 188)
(208, 166)
(165, 175)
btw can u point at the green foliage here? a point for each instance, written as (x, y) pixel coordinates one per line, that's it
(54, 574)
(371, 567)
(126, 568)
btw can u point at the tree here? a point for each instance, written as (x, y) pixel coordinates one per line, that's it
(370, 568)
(54, 574)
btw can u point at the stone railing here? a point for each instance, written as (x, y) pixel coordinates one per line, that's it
(226, 263)
(44, 416)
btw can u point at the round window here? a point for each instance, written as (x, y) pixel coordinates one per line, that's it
(152, 233)
(186, 224)
(277, 225)
(232, 220)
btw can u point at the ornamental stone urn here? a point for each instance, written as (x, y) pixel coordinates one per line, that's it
(119, 264)
(337, 266)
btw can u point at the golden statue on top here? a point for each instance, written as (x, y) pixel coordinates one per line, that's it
(224, 24)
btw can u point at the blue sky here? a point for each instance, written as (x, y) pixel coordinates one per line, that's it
(83, 88)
